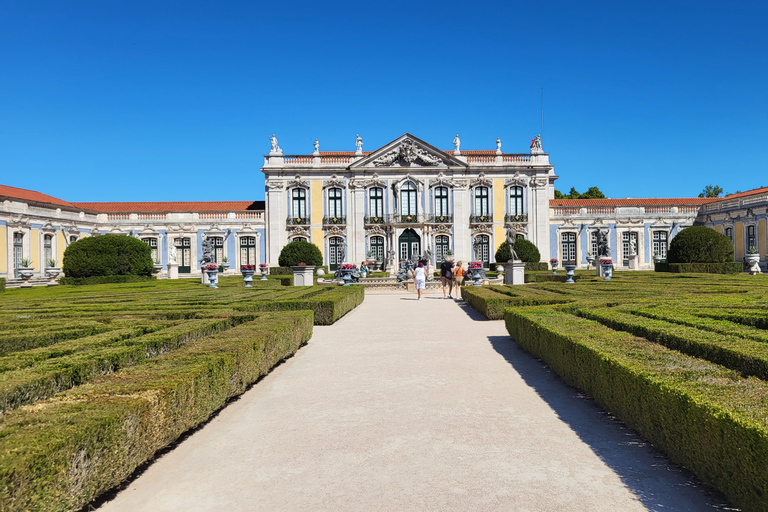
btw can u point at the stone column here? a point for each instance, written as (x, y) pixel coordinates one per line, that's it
(356, 224)
(462, 247)
(276, 216)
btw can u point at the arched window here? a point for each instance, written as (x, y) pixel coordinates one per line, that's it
(481, 202)
(376, 205)
(408, 199)
(334, 203)
(299, 239)
(299, 203)
(515, 200)
(441, 201)
(335, 252)
(751, 238)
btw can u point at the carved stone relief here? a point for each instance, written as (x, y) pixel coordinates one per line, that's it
(480, 181)
(406, 154)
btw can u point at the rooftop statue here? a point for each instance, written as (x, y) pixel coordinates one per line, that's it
(359, 143)
(457, 144)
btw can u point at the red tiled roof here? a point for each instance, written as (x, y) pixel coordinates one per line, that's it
(31, 195)
(174, 206)
(648, 201)
(754, 191)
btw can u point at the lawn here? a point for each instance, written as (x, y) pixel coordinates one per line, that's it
(94, 380)
(680, 358)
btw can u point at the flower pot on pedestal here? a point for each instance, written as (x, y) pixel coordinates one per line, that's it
(753, 264)
(248, 271)
(52, 273)
(263, 268)
(569, 271)
(607, 266)
(211, 270)
(554, 266)
(26, 274)
(590, 260)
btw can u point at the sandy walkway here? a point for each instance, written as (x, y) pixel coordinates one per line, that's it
(406, 405)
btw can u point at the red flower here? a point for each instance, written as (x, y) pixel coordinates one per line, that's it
(247, 267)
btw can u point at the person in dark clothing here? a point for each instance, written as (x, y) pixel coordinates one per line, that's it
(446, 277)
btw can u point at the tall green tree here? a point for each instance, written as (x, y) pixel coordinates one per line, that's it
(591, 193)
(711, 191)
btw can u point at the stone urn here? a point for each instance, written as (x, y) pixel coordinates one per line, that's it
(570, 269)
(156, 268)
(26, 274)
(607, 266)
(248, 277)
(52, 273)
(554, 266)
(213, 277)
(590, 259)
(320, 272)
(264, 269)
(753, 264)
(224, 266)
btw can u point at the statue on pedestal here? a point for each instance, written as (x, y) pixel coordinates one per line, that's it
(536, 144)
(457, 145)
(208, 254)
(498, 145)
(317, 147)
(603, 250)
(359, 144)
(510, 240)
(173, 255)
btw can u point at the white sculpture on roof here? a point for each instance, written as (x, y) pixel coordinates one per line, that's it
(536, 145)
(457, 145)
(317, 148)
(359, 144)
(498, 145)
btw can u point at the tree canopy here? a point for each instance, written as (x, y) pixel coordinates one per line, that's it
(711, 191)
(591, 193)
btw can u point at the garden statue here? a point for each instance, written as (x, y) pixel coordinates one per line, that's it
(602, 244)
(341, 253)
(477, 247)
(632, 247)
(510, 241)
(172, 255)
(208, 254)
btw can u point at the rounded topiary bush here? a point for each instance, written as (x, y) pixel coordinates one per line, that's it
(300, 251)
(525, 250)
(700, 244)
(107, 255)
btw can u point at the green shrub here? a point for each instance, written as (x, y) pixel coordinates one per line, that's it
(525, 249)
(536, 266)
(700, 244)
(2, 284)
(491, 301)
(731, 267)
(286, 271)
(81, 281)
(107, 255)
(300, 251)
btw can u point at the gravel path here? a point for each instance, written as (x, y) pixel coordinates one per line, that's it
(412, 405)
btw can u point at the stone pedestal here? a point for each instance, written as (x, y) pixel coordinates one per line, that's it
(514, 272)
(204, 278)
(173, 271)
(633, 262)
(599, 270)
(302, 275)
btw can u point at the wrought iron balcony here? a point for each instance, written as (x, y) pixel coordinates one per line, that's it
(510, 217)
(339, 219)
(408, 219)
(298, 221)
(439, 219)
(377, 219)
(481, 219)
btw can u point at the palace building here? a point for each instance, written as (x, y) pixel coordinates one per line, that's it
(407, 197)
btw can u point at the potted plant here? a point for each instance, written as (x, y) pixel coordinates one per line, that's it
(264, 269)
(607, 264)
(590, 259)
(157, 266)
(224, 264)
(570, 267)
(476, 272)
(752, 260)
(212, 270)
(346, 272)
(248, 271)
(52, 272)
(25, 272)
(553, 262)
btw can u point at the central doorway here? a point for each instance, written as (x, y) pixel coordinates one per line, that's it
(410, 244)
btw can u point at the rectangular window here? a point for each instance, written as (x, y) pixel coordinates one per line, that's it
(152, 242)
(516, 201)
(751, 239)
(441, 201)
(403, 250)
(408, 199)
(628, 245)
(218, 249)
(376, 207)
(48, 249)
(660, 244)
(729, 233)
(334, 203)
(299, 203)
(248, 250)
(481, 201)
(569, 247)
(593, 243)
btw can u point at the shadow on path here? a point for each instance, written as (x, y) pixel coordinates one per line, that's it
(657, 482)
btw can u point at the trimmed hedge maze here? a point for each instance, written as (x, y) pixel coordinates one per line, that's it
(682, 359)
(95, 380)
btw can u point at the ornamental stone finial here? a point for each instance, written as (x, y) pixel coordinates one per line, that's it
(457, 145)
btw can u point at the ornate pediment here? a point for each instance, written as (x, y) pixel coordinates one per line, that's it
(480, 181)
(375, 230)
(298, 231)
(442, 229)
(297, 182)
(481, 228)
(516, 181)
(275, 184)
(334, 231)
(18, 221)
(441, 181)
(408, 151)
(335, 182)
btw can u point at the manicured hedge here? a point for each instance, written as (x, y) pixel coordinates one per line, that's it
(705, 417)
(492, 301)
(733, 267)
(80, 281)
(329, 303)
(2, 284)
(107, 255)
(534, 266)
(300, 251)
(700, 244)
(22, 338)
(66, 451)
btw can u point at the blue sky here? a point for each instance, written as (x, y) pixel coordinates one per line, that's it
(131, 101)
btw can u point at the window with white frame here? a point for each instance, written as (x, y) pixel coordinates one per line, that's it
(516, 200)
(593, 243)
(442, 246)
(218, 249)
(441, 201)
(152, 243)
(628, 244)
(481, 201)
(660, 244)
(48, 250)
(751, 238)
(334, 202)
(408, 199)
(568, 245)
(299, 203)
(247, 250)
(376, 204)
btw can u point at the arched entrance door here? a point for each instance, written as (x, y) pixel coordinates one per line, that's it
(410, 244)
(335, 252)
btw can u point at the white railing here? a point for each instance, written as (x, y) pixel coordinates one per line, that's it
(118, 216)
(516, 158)
(250, 215)
(151, 216)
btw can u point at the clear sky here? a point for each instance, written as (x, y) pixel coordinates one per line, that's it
(132, 101)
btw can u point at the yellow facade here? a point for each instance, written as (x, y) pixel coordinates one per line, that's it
(34, 251)
(61, 244)
(738, 234)
(3, 249)
(498, 212)
(761, 237)
(719, 228)
(316, 215)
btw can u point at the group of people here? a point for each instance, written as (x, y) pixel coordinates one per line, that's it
(451, 276)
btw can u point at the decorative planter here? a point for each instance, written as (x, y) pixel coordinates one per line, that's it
(156, 268)
(607, 270)
(569, 271)
(248, 277)
(52, 273)
(26, 274)
(264, 270)
(590, 259)
(213, 276)
(554, 267)
(753, 264)
(224, 266)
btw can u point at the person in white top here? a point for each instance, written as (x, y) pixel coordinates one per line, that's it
(420, 278)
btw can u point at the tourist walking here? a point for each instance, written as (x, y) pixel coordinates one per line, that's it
(420, 278)
(446, 277)
(458, 278)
